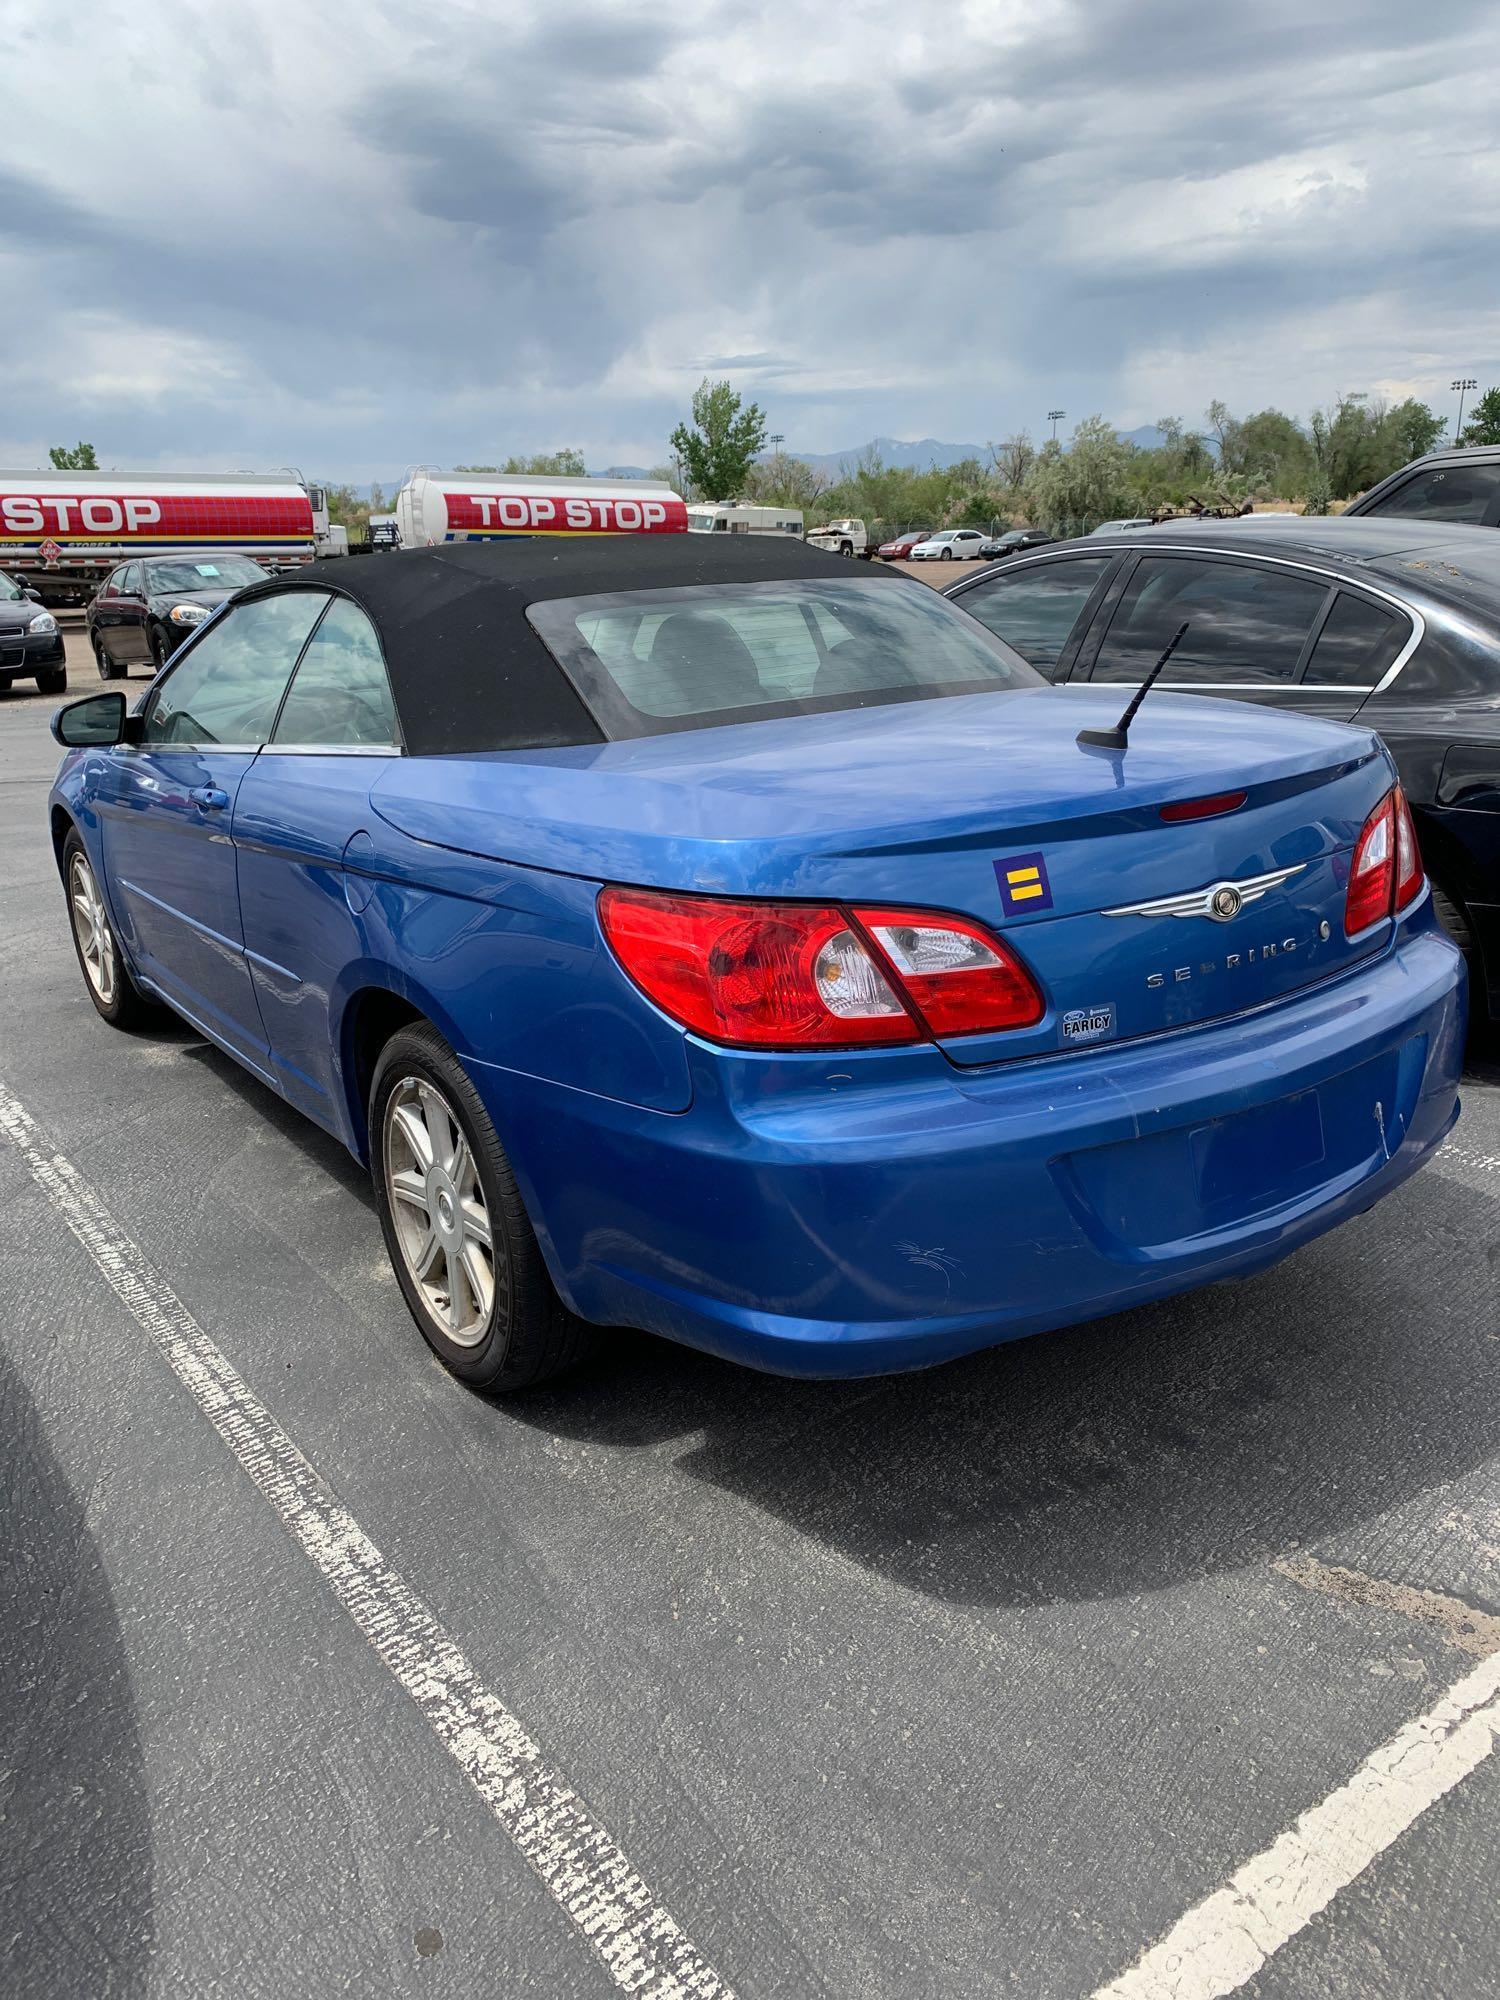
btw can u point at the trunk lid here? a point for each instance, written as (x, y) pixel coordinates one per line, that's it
(984, 805)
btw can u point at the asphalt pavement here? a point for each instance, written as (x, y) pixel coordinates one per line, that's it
(983, 1681)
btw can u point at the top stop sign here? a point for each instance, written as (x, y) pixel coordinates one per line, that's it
(50, 552)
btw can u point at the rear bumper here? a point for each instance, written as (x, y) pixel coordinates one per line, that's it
(847, 1228)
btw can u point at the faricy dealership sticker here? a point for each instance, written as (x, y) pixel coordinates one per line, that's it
(1023, 884)
(1088, 1024)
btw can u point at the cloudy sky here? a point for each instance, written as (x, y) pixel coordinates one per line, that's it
(354, 237)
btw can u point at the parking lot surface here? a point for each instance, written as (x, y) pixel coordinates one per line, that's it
(983, 1681)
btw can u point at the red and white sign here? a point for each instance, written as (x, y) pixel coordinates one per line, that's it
(90, 520)
(179, 517)
(471, 513)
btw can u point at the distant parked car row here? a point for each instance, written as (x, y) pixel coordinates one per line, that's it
(959, 544)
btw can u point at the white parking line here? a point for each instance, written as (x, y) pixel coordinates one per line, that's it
(642, 1947)
(1229, 1936)
(1468, 1156)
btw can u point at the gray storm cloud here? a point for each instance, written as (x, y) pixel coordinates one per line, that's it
(245, 235)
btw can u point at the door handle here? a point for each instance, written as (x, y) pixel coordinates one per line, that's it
(209, 798)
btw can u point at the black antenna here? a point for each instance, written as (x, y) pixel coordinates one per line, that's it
(1118, 738)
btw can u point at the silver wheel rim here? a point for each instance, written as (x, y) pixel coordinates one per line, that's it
(441, 1218)
(96, 941)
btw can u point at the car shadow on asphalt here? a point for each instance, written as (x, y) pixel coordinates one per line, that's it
(316, 1145)
(1189, 1438)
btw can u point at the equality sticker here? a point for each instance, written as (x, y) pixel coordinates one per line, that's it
(1023, 884)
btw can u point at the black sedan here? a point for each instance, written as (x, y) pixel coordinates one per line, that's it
(31, 646)
(1394, 620)
(144, 609)
(1013, 543)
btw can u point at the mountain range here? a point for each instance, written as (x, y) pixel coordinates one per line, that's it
(912, 454)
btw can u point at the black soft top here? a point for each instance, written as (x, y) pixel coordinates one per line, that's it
(467, 670)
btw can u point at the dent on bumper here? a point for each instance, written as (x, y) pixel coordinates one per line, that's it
(837, 1233)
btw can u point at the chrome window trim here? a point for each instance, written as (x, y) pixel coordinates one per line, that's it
(1247, 687)
(159, 747)
(330, 750)
(1334, 576)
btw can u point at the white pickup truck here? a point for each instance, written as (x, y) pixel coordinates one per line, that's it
(845, 538)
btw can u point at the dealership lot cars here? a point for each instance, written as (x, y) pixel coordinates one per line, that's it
(976, 1681)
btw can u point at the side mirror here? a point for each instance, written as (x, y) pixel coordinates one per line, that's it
(34, 595)
(97, 719)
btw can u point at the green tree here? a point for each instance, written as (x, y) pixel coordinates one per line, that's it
(1012, 459)
(780, 480)
(1416, 429)
(1275, 453)
(1070, 492)
(79, 458)
(1226, 435)
(1483, 426)
(346, 507)
(725, 436)
(564, 464)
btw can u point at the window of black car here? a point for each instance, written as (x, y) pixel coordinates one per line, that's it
(227, 687)
(1035, 609)
(647, 662)
(203, 573)
(1445, 493)
(1359, 641)
(340, 695)
(10, 591)
(128, 580)
(1247, 622)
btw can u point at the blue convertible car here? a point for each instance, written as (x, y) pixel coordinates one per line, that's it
(694, 935)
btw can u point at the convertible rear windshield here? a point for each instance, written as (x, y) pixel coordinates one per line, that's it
(650, 661)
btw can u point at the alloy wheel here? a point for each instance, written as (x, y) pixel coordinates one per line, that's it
(438, 1208)
(96, 941)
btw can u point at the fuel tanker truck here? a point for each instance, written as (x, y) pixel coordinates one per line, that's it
(62, 532)
(433, 507)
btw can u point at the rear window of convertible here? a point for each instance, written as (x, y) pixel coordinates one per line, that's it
(650, 661)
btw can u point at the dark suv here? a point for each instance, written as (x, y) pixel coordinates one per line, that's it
(144, 609)
(1460, 486)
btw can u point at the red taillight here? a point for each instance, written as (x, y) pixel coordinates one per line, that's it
(1221, 802)
(1387, 871)
(802, 976)
(1409, 871)
(766, 975)
(961, 979)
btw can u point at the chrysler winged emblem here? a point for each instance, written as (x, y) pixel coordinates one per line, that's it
(1222, 901)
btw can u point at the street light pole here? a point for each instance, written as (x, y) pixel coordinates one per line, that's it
(1464, 383)
(1055, 417)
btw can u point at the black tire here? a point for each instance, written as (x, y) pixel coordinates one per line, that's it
(527, 1335)
(122, 1002)
(52, 680)
(1454, 919)
(946, 555)
(846, 548)
(161, 652)
(108, 671)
